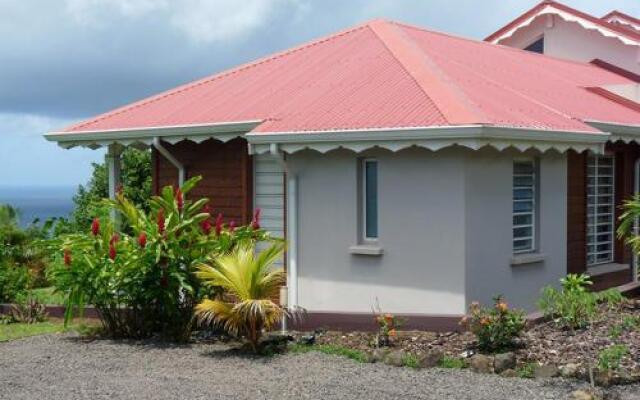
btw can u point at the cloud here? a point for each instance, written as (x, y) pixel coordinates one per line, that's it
(92, 12)
(221, 20)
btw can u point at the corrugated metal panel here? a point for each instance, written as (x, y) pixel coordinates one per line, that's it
(386, 75)
(269, 194)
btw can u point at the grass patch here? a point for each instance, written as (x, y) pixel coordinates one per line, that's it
(411, 361)
(330, 349)
(22, 330)
(46, 296)
(526, 371)
(452, 362)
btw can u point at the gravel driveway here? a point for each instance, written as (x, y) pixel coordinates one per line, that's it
(63, 367)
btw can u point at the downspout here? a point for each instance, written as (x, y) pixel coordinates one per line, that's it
(292, 230)
(636, 223)
(157, 143)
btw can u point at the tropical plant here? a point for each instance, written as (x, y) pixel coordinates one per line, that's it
(495, 327)
(140, 277)
(251, 286)
(573, 306)
(388, 325)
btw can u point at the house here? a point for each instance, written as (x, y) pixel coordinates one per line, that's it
(407, 167)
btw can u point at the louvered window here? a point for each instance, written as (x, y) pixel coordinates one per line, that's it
(600, 209)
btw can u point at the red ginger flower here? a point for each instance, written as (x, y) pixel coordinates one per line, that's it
(95, 227)
(161, 226)
(179, 199)
(255, 223)
(112, 252)
(206, 226)
(219, 224)
(142, 239)
(67, 257)
(114, 239)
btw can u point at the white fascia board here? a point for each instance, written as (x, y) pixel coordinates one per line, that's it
(617, 131)
(97, 138)
(432, 138)
(551, 10)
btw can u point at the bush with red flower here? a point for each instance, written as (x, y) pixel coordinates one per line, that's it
(495, 327)
(140, 277)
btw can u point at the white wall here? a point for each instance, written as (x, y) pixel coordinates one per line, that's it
(489, 232)
(444, 224)
(421, 229)
(571, 41)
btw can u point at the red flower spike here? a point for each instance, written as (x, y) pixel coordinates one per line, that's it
(179, 199)
(255, 223)
(206, 226)
(114, 239)
(95, 227)
(219, 224)
(232, 226)
(161, 226)
(206, 209)
(112, 251)
(142, 239)
(67, 257)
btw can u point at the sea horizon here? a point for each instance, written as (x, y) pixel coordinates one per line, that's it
(39, 202)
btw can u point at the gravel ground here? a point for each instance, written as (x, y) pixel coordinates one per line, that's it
(64, 367)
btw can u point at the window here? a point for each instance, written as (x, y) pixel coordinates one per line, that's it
(537, 46)
(524, 205)
(369, 172)
(600, 209)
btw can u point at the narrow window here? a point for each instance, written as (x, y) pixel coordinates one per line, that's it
(600, 209)
(524, 206)
(370, 199)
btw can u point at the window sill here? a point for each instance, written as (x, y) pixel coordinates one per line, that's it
(527, 258)
(603, 269)
(366, 250)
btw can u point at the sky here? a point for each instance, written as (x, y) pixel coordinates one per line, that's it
(62, 61)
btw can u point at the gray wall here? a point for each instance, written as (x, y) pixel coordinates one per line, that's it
(489, 232)
(444, 225)
(421, 229)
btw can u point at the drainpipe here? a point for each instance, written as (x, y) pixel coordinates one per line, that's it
(636, 223)
(165, 153)
(292, 230)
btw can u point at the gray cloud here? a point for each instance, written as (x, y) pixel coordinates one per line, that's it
(67, 60)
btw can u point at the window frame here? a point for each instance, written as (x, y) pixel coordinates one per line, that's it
(364, 201)
(534, 207)
(595, 214)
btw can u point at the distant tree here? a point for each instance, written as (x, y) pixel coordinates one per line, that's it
(136, 184)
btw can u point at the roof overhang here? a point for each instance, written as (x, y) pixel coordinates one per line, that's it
(617, 131)
(144, 136)
(554, 9)
(432, 138)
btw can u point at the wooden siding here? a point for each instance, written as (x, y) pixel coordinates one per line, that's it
(576, 212)
(625, 157)
(226, 170)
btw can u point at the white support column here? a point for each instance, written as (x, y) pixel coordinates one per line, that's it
(292, 239)
(113, 158)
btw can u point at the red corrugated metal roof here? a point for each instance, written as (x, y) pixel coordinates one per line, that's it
(386, 75)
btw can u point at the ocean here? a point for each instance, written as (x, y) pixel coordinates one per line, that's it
(38, 202)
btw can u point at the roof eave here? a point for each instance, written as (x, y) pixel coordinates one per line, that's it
(431, 138)
(617, 131)
(223, 131)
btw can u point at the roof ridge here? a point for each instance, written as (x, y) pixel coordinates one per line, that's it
(209, 78)
(454, 105)
(628, 17)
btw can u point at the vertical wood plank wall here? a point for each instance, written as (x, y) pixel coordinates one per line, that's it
(226, 169)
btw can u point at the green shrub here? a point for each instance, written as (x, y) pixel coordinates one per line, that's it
(630, 322)
(573, 306)
(610, 358)
(495, 327)
(14, 281)
(410, 360)
(526, 371)
(611, 297)
(140, 278)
